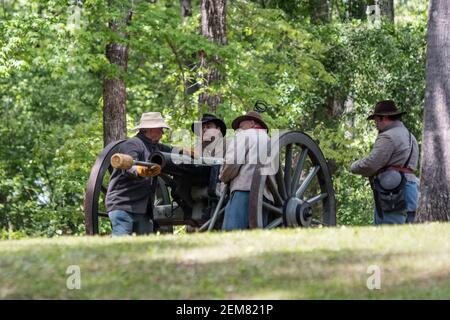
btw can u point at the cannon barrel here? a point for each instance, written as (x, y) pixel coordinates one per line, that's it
(195, 171)
(178, 164)
(168, 166)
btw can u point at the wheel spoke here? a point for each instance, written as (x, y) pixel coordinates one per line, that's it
(288, 169)
(280, 183)
(274, 190)
(275, 223)
(103, 189)
(102, 214)
(317, 198)
(272, 208)
(299, 168)
(302, 173)
(301, 190)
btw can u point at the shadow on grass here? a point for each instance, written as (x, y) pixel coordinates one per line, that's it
(134, 272)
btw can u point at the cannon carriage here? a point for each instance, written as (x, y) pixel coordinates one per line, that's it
(188, 190)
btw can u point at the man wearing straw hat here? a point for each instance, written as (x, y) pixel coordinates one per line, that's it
(395, 149)
(129, 194)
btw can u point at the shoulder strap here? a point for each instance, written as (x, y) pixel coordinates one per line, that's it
(410, 153)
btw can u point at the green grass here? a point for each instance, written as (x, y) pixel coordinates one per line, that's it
(283, 264)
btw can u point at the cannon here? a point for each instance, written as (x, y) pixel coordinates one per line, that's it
(189, 192)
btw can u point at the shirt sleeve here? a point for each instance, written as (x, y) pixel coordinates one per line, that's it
(230, 168)
(377, 159)
(132, 149)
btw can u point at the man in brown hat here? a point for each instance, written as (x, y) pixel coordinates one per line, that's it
(241, 158)
(128, 199)
(395, 149)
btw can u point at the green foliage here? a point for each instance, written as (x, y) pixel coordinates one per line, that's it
(320, 79)
(11, 234)
(42, 103)
(369, 64)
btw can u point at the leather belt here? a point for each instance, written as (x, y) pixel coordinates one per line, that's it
(400, 169)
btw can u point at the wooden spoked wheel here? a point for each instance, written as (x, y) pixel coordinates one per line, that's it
(302, 187)
(97, 186)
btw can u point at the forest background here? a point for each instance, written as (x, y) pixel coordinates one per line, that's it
(320, 69)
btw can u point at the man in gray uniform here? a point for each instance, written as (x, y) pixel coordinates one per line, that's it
(250, 139)
(395, 149)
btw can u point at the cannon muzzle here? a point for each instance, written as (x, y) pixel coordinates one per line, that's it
(171, 163)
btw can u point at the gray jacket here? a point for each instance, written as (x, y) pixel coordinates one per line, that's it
(127, 191)
(392, 148)
(243, 152)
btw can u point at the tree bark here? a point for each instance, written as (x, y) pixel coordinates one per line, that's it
(114, 96)
(387, 9)
(434, 204)
(186, 9)
(213, 20)
(114, 89)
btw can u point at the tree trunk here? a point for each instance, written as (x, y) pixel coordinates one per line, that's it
(186, 9)
(114, 89)
(320, 11)
(213, 13)
(114, 97)
(387, 9)
(434, 202)
(214, 20)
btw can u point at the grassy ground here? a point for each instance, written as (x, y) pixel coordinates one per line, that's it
(283, 264)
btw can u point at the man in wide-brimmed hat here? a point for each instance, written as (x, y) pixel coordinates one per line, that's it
(207, 122)
(128, 199)
(241, 158)
(395, 149)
